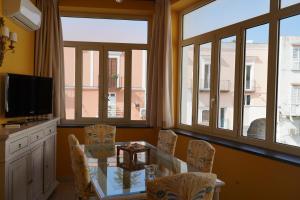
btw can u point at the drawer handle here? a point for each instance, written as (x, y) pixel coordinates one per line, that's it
(20, 145)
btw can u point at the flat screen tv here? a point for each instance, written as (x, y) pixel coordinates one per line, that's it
(27, 95)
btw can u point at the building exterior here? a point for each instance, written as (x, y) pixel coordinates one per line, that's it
(115, 83)
(255, 88)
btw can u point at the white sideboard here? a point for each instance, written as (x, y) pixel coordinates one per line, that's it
(28, 161)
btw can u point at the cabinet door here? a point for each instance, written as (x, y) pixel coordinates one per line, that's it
(18, 180)
(49, 163)
(36, 186)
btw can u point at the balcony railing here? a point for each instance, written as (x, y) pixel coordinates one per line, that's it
(204, 85)
(225, 85)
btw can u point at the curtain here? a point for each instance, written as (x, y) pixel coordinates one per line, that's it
(159, 98)
(49, 52)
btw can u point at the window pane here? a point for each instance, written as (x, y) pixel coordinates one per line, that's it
(138, 84)
(104, 30)
(226, 83)
(233, 11)
(90, 83)
(187, 84)
(255, 81)
(288, 97)
(69, 62)
(204, 84)
(116, 83)
(286, 3)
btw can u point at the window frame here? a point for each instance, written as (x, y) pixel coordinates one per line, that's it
(103, 48)
(272, 18)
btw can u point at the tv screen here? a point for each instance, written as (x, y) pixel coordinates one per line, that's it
(27, 95)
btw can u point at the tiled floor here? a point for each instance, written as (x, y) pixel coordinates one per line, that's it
(64, 191)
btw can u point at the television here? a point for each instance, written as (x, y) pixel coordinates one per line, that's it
(27, 95)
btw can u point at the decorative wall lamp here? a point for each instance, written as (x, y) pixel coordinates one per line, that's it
(6, 37)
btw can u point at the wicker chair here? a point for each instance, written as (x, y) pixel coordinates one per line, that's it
(100, 134)
(81, 173)
(167, 141)
(200, 155)
(72, 140)
(187, 186)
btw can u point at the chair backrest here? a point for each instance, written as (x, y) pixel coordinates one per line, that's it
(167, 141)
(186, 186)
(100, 134)
(81, 172)
(200, 155)
(72, 140)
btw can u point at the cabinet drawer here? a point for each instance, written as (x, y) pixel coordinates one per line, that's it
(18, 145)
(36, 136)
(50, 130)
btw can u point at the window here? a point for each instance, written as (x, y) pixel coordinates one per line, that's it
(90, 83)
(249, 83)
(69, 63)
(100, 76)
(187, 84)
(205, 51)
(240, 94)
(296, 57)
(233, 11)
(116, 84)
(205, 116)
(288, 86)
(222, 115)
(138, 84)
(256, 48)
(226, 82)
(247, 100)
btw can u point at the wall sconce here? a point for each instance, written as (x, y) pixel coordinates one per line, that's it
(6, 37)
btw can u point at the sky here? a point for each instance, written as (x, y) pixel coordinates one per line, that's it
(230, 12)
(197, 22)
(104, 30)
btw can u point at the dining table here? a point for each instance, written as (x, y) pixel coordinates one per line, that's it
(112, 176)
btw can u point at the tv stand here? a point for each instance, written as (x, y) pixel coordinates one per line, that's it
(28, 161)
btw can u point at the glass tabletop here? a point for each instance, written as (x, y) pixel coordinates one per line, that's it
(118, 175)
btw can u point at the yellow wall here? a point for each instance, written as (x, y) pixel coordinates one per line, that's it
(250, 177)
(22, 61)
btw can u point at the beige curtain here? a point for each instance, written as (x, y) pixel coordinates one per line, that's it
(49, 52)
(159, 98)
